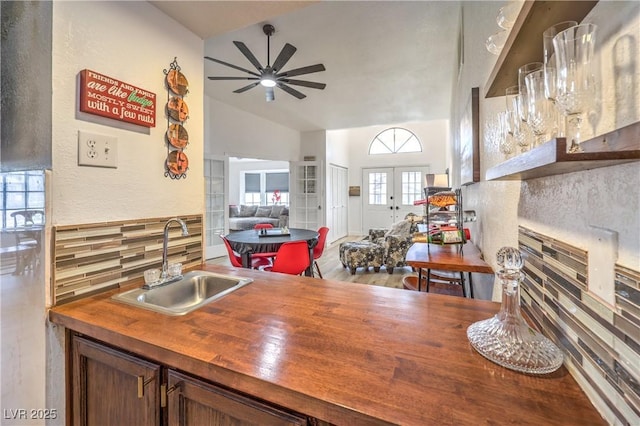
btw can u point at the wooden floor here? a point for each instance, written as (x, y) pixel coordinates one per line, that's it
(332, 269)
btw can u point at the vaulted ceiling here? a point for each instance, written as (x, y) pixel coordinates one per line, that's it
(386, 62)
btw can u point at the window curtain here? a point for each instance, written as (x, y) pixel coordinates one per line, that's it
(277, 182)
(252, 183)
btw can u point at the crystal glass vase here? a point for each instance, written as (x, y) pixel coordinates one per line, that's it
(575, 77)
(507, 339)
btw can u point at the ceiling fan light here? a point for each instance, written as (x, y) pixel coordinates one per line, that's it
(267, 81)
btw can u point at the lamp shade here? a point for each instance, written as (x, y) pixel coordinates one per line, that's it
(437, 180)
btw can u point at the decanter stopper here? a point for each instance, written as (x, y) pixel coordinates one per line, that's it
(507, 339)
(509, 259)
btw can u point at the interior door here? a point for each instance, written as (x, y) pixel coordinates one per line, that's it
(306, 195)
(337, 192)
(389, 194)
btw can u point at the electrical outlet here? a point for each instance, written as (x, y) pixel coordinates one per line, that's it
(602, 257)
(97, 150)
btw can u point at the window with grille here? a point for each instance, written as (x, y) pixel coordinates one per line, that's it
(411, 187)
(266, 188)
(377, 188)
(393, 141)
(21, 191)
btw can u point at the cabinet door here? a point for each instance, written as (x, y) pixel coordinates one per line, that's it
(193, 402)
(306, 191)
(113, 388)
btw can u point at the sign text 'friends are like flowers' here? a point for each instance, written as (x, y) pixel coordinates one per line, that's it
(108, 97)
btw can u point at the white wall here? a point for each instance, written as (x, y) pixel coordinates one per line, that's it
(131, 42)
(233, 132)
(433, 135)
(560, 206)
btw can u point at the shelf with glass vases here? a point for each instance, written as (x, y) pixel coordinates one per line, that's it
(524, 43)
(551, 158)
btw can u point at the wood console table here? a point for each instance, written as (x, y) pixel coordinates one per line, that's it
(447, 258)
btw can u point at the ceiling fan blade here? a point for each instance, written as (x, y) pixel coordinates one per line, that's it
(304, 70)
(291, 91)
(285, 54)
(304, 83)
(245, 88)
(269, 93)
(246, 52)
(233, 78)
(232, 66)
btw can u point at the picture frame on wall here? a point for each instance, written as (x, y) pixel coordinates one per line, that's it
(470, 140)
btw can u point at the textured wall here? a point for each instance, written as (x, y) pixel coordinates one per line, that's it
(131, 42)
(25, 85)
(564, 207)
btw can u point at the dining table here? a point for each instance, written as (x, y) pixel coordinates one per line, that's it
(28, 243)
(251, 241)
(448, 257)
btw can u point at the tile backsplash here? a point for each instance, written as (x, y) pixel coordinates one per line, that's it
(601, 343)
(91, 258)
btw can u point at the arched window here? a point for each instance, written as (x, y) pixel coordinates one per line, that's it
(394, 140)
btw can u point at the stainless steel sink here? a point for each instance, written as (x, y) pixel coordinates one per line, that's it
(196, 288)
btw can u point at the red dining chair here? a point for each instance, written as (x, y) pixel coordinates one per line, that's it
(236, 259)
(319, 248)
(291, 258)
(263, 226)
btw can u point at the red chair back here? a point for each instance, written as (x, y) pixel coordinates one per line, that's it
(235, 259)
(292, 258)
(263, 226)
(322, 238)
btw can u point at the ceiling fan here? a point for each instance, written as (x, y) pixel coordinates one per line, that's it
(272, 75)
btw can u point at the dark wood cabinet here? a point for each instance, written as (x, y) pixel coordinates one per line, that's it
(110, 387)
(194, 402)
(113, 387)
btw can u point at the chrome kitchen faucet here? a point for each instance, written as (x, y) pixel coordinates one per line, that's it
(164, 278)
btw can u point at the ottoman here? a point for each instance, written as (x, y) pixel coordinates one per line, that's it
(356, 254)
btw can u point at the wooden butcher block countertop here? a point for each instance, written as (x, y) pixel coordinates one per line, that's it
(341, 352)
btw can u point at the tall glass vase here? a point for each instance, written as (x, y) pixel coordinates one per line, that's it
(507, 339)
(575, 77)
(550, 71)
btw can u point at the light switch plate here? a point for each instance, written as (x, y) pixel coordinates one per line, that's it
(603, 254)
(97, 150)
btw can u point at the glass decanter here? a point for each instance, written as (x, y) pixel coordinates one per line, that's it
(507, 339)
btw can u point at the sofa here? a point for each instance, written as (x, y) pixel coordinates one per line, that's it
(244, 217)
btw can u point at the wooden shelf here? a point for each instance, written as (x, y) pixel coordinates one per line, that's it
(616, 147)
(524, 43)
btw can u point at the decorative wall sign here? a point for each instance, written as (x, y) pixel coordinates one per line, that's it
(470, 141)
(177, 163)
(107, 97)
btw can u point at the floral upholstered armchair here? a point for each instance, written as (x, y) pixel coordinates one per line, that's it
(395, 241)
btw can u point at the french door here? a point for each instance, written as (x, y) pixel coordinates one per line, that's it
(214, 219)
(306, 194)
(389, 193)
